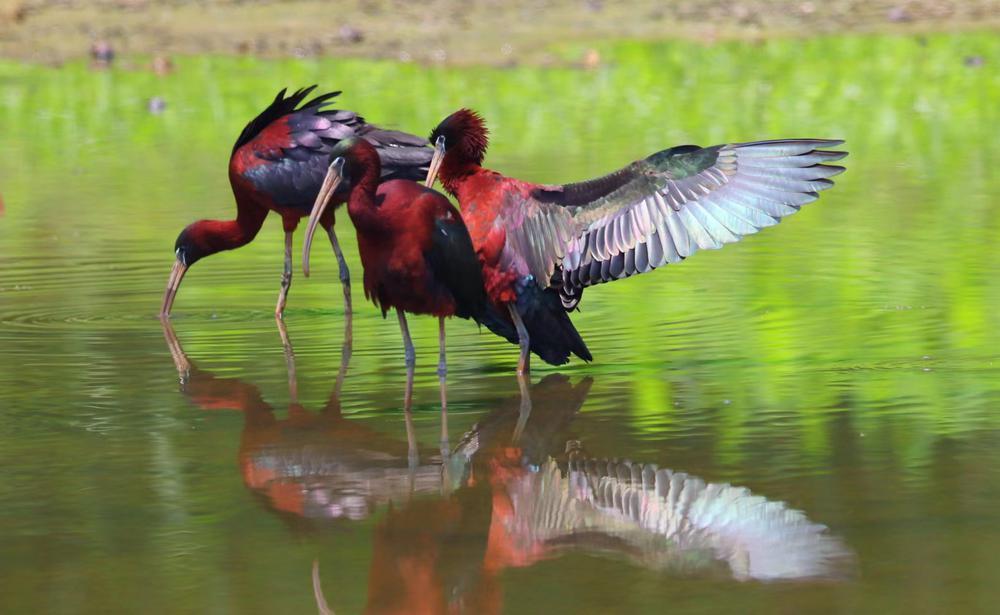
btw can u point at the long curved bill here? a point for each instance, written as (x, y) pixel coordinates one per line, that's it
(436, 160)
(173, 283)
(334, 175)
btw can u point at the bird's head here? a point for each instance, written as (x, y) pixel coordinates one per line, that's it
(462, 137)
(353, 162)
(192, 245)
(359, 156)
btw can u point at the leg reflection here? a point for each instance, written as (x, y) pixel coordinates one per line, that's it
(286, 343)
(442, 382)
(525, 408)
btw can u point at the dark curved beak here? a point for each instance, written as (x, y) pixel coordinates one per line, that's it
(173, 283)
(334, 175)
(436, 161)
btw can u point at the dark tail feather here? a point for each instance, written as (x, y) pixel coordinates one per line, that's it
(553, 336)
(497, 321)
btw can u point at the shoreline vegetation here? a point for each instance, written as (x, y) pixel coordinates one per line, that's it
(446, 32)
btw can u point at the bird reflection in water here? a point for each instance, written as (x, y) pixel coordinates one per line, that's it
(310, 466)
(518, 488)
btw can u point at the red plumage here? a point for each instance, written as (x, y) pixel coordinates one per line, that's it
(415, 248)
(393, 240)
(492, 204)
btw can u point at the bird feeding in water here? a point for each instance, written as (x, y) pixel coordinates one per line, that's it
(541, 245)
(278, 164)
(415, 250)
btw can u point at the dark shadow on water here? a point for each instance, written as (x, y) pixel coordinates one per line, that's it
(517, 489)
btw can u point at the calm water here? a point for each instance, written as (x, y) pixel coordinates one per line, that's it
(845, 364)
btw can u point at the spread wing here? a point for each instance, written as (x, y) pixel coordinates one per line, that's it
(662, 209)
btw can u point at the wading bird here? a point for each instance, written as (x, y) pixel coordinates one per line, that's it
(541, 245)
(278, 164)
(415, 250)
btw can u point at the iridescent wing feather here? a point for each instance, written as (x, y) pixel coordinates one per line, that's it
(662, 209)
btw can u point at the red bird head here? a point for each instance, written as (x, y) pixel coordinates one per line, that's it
(204, 238)
(195, 242)
(465, 134)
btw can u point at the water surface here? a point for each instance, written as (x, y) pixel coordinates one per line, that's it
(843, 364)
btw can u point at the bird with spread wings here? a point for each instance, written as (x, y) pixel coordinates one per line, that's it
(541, 245)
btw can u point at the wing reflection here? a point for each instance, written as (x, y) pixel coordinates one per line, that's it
(517, 489)
(661, 519)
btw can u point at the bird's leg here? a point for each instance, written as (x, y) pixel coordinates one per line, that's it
(410, 353)
(525, 409)
(411, 362)
(523, 340)
(345, 283)
(286, 277)
(345, 274)
(286, 343)
(442, 380)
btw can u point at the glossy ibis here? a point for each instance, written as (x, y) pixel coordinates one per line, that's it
(541, 245)
(415, 250)
(278, 164)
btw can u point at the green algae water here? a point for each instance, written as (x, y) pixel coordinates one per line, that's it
(844, 364)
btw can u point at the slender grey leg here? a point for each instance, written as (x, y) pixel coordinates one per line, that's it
(524, 362)
(411, 354)
(345, 274)
(286, 343)
(286, 277)
(442, 381)
(345, 282)
(525, 409)
(411, 361)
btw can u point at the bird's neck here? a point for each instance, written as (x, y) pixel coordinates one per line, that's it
(455, 174)
(361, 203)
(219, 235)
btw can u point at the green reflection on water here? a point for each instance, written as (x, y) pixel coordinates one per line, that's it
(844, 361)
